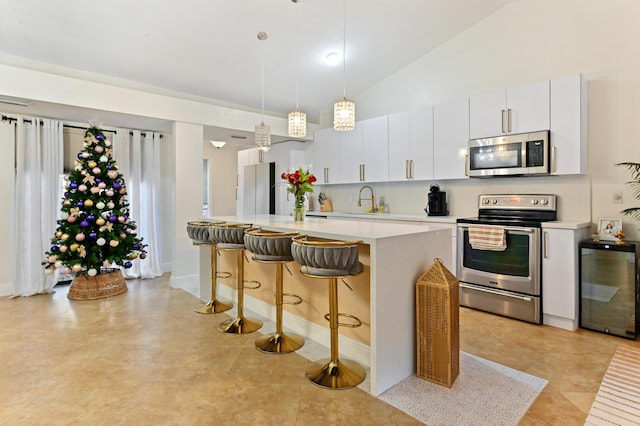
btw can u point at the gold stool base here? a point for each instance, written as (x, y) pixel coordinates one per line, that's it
(342, 374)
(239, 325)
(279, 343)
(213, 307)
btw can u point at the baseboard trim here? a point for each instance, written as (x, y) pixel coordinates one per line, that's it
(350, 348)
(188, 283)
(559, 322)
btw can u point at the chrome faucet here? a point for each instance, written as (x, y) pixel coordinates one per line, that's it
(374, 208)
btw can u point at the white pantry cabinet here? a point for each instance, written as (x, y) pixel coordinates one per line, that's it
(517, 110)
(450, 138)
(569, 115)
(364, 152)
(411, 144)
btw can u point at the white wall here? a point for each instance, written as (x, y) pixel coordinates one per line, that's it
(525, 42)
(223, 169)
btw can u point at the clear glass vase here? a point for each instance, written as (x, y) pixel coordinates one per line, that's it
(298, 214)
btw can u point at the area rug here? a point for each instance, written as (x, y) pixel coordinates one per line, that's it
(618, 399)
(599, 292)
(485, 393)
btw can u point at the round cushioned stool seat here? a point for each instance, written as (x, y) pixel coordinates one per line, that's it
(269, 245)
(326, 258)
(199, 231)
(229, 233)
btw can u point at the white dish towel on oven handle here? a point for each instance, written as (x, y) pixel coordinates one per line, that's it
(487, 237)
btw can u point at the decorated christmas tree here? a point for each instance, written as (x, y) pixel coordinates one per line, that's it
(95, 233)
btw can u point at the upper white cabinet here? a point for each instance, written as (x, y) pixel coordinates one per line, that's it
(326, 160)
(364, 152)
(569, 112)
(411, 145)
(518, 110)
(450, 138)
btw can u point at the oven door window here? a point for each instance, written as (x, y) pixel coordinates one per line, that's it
(501, 156)
(513, 261)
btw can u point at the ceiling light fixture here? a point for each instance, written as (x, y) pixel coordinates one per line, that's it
(263, 131)
(297, 119)
(344, 111)
(218, 144)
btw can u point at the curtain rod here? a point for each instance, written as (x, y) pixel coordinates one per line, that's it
(10, 119)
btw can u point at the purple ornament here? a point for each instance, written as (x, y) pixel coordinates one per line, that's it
(116, 185)
(100, 137)
(54, 249)
(80, 155)
(92, 235)
(73, 185)
(109, 166)
(91, 218)
(98, 180)
(84, 224)
(136, 246)
(128, 265)
(79, 204)
(66, 194)
(113, 219)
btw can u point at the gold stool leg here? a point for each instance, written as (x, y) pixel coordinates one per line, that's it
(240, 324)
(213, 306)
(332, 372)
(279, 342)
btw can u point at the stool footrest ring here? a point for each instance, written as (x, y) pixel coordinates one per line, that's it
(223, 274)
(297, 301)
(258, 284)
(357, 323)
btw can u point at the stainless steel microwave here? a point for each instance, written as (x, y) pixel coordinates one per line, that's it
(512, 155)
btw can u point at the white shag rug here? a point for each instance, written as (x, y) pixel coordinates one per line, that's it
(485, 393)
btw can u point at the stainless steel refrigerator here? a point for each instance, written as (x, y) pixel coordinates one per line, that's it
(259, 189)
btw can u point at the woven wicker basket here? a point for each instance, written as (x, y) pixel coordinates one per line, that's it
(438, 329)
(97, 287)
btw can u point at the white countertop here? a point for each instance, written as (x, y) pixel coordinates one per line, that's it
(366, 230)
(386, 216)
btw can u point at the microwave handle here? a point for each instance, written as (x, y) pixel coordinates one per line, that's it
(466, 165)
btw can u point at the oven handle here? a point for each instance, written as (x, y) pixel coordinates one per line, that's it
(506, 228)
(499, 293)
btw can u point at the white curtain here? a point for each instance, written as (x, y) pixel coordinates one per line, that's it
(39, 163)
(138, 159)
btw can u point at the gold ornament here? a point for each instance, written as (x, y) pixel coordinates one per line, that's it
(107, 226)
(89, 179)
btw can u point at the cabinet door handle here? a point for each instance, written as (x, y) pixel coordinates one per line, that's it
(326, 175)
(362, 178)
(545, 237)
(466, 165)
(509, 120)
(406, 169)
(411, 168)
(553, 159)
(502, 121)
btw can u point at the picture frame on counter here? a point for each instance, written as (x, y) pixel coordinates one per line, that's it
(608, 228)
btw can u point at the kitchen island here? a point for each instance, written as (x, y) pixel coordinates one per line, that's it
(398, 255)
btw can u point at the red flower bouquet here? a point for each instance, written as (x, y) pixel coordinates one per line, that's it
(300, 183)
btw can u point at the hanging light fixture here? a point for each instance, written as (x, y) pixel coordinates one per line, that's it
(297, 118)
(263, 131)
(344, 111)
(218, 144)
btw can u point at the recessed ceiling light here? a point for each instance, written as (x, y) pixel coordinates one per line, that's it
(332, 59)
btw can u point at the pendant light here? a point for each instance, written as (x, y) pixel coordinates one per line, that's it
(263, 131)
(344, 111)
(297, 119)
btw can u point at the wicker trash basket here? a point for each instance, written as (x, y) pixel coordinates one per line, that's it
(437, 325)
(99, 286)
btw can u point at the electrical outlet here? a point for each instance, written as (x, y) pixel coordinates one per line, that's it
(617, 197)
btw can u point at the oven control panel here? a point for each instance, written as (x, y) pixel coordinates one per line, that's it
(520, 202)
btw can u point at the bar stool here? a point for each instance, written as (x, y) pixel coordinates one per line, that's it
(230, 237)
(321, 258)
(275, 248)
(198, 231)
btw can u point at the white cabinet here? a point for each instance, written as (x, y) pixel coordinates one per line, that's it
(411, 145)
(326, 158)
(518, 110)
(364, 152)
(560, 276)
(450, 138)
(569, 112)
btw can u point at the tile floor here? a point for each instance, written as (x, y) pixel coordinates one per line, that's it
(145, 357)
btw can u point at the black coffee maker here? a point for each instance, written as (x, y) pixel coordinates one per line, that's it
(436, 202)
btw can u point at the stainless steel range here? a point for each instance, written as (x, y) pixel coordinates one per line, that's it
(499, 255)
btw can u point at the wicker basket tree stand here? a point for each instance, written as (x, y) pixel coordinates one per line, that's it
(105, 284)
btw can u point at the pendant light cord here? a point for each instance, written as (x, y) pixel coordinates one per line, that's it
(262, 83)
(297, 60)
(344, 48)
